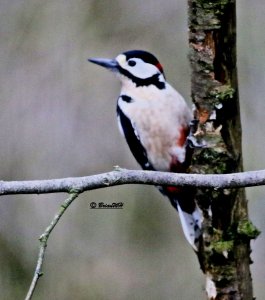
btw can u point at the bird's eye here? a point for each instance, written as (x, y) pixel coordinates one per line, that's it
(131, 63)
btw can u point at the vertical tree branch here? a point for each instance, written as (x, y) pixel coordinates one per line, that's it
(225, 249)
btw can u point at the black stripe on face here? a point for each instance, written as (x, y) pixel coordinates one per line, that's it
(126, 99)
(153, 80)
(133, 141)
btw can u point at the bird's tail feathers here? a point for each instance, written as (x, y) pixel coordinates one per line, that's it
(191, 217)
(191, 225)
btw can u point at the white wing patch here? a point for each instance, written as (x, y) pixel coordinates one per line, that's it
(121, 103)
(135, 131)
(147, 164)
(133, 126)
(119, 125)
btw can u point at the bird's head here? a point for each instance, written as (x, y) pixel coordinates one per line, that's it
(138, 66)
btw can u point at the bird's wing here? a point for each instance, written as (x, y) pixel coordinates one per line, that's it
(132, 137)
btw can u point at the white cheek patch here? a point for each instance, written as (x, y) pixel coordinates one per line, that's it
(142, 69)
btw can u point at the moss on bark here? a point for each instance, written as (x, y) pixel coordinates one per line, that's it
(225, 249)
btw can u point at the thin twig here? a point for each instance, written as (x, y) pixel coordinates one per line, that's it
(44, 239)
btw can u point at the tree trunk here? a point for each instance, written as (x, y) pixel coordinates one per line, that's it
(225, 248)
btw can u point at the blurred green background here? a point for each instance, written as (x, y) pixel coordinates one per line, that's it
(57, 119)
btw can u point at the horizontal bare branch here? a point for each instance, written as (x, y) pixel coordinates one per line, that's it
(123, 176)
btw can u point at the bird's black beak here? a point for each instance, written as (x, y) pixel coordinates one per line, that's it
(110, 64)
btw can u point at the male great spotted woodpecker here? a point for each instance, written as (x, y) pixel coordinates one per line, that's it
(154, 118)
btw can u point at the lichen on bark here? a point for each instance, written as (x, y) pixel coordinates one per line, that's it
(224, 251)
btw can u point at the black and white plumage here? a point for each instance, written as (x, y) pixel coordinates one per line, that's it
(154, 119)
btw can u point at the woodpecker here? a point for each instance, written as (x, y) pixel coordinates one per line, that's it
(155, 121)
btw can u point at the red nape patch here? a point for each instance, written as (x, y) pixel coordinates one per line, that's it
(160, 68)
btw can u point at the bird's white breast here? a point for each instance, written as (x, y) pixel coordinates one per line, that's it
(159, 117)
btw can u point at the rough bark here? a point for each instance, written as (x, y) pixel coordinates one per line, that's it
(225, 248)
